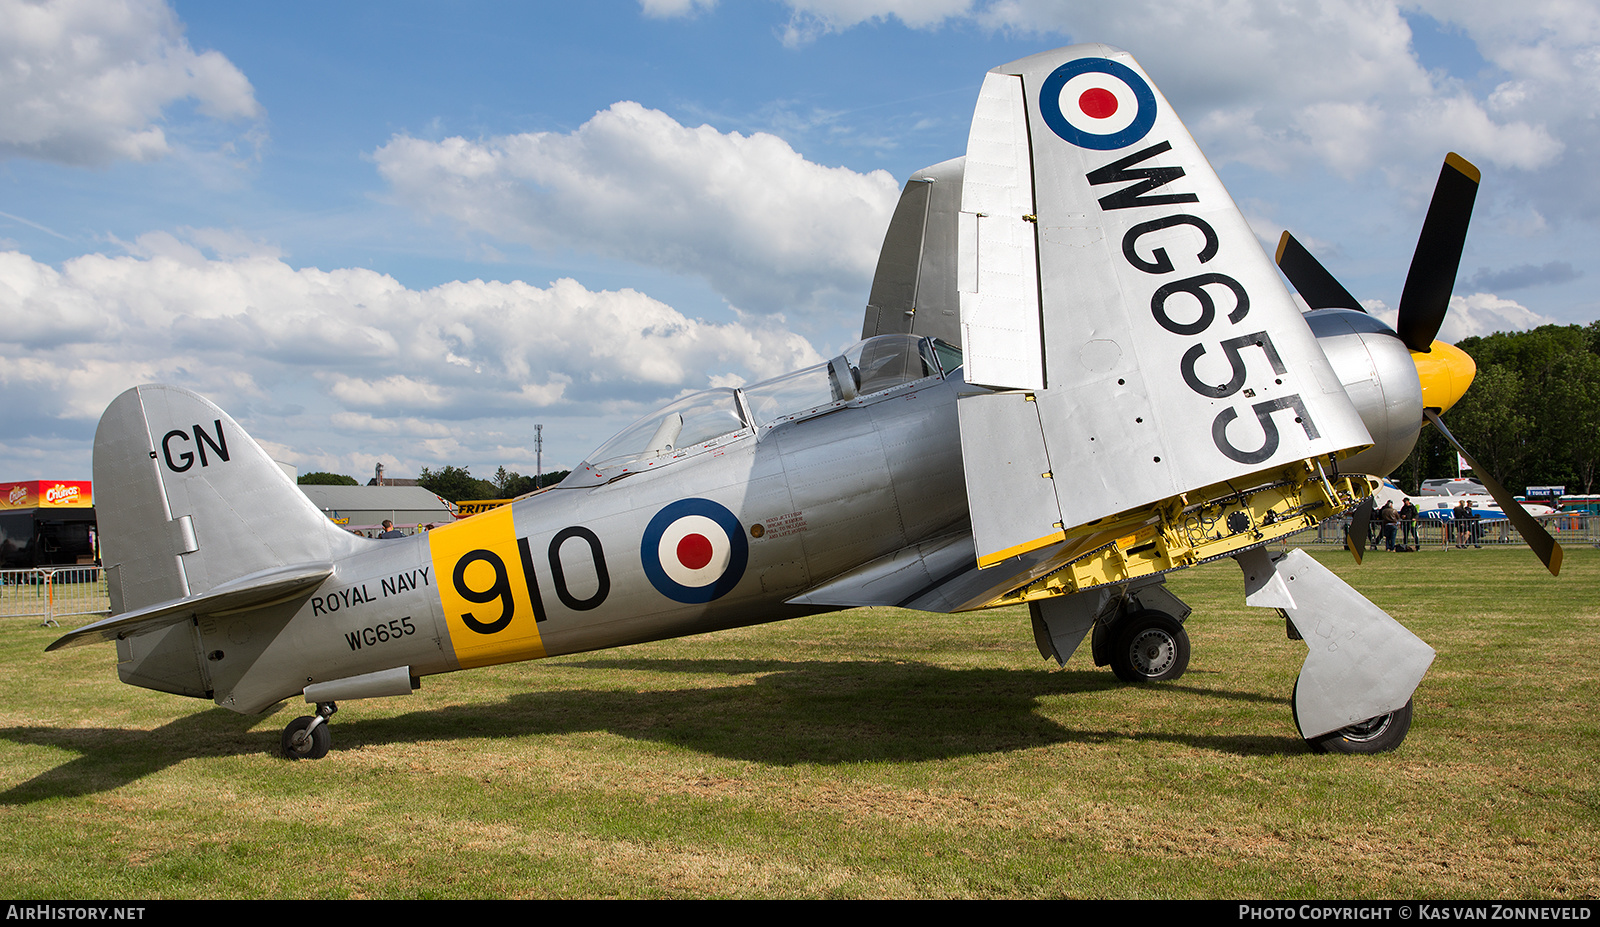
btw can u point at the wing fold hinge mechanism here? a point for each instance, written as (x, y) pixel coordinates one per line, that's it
(1196, 527)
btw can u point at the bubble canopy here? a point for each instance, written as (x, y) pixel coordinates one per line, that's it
(717, 417)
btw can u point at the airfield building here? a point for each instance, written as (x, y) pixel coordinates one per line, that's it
(362, 509)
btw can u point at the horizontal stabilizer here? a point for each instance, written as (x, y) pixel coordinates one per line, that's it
(253, 591)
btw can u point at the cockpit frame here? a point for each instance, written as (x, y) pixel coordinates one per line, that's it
(867, 372)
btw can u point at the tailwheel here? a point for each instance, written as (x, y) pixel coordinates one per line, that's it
(308, 737)
(1374, 735)
(1150, 647)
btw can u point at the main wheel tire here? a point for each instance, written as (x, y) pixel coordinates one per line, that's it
(313, 747)
(1150, 647)
(1374, 735)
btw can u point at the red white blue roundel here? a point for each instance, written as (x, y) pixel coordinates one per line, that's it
(1097, 103)
(694, 550)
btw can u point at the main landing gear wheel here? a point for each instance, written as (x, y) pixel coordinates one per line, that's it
(1374, 735)
(1150, 647)
(308, 738)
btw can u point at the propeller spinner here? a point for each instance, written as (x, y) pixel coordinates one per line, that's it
(1443, 370)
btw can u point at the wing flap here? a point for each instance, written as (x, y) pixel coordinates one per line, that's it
(1010, 485)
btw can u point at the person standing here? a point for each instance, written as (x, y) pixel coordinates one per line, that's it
(1391, 520)
(389, 531)
(1408, 524)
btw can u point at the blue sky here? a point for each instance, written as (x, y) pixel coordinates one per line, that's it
(405, 232)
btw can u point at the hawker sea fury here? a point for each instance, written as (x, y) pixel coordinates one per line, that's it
(1078, 372)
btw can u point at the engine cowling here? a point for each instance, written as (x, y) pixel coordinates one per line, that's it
(1381, 379)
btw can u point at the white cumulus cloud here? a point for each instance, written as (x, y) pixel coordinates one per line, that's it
(1477, 315)
(768, 229)
(668, 9)
(811, 19)
(347, 362)
(86, 82)
(1335, 83)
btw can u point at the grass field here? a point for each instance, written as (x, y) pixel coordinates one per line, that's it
(872, 753)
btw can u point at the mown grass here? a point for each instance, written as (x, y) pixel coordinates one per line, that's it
(872, 753)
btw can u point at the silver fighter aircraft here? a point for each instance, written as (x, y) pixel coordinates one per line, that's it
(1079, 372)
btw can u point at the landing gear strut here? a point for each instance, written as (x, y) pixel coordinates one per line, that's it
(307, 738)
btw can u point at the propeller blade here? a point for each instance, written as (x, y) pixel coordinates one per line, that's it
(1311, 280)
(1426, 297)
(1355, 538)
(1544, 546)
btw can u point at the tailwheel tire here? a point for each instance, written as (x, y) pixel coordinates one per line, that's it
(1150, 647)
(312, 746)
(1374, 735)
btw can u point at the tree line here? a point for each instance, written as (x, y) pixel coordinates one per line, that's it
(456, 484)
(1531, 417)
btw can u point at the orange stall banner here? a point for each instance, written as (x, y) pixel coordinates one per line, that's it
(47, 494)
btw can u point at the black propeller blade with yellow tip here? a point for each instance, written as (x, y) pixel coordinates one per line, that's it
(1443, 370)
(1426, 297)
(1544, 546)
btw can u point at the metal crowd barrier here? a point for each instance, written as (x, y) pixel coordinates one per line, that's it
(53, 592)
(1443, 534)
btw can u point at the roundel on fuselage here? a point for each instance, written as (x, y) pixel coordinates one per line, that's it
(694, 551)
(1097, 103)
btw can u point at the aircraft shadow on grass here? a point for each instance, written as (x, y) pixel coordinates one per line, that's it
(791, 712)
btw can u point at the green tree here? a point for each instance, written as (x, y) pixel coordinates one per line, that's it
(1572, 421)
(1492, 422)
(323, 478)
(511, 484)
(1533, 412)
(455, 484)
(1432, 457)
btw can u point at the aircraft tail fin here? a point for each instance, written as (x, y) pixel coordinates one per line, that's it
(187, 502)
(914, 287)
